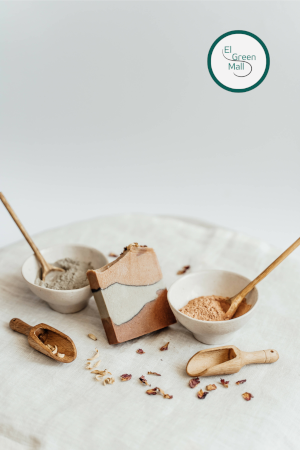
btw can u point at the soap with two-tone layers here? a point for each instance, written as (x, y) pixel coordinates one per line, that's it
(130, 294)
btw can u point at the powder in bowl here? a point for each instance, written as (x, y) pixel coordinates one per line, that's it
(212, 308)
(74, 276)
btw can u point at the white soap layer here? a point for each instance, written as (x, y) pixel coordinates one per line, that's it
(124, 302)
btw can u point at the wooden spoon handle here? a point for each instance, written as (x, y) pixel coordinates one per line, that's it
(235, 301)
(38, 254)
(261, 357)
(20, 326)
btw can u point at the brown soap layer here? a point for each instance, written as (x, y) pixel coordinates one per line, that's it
(154, 316)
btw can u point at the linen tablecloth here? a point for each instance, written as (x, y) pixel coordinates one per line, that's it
(48, 406)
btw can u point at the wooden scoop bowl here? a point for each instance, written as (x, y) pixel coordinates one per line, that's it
(46, 267)
(226, 360)
(41, 335)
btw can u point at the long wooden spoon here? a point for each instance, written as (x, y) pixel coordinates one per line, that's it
(42, 335)
(46, 267)
(237, 299)
(226, 360)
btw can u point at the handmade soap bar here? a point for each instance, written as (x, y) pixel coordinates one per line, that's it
(131, 295)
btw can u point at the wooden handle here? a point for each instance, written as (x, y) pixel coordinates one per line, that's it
(261, 357)
(20, 326)
(38, 254)
(235, 301)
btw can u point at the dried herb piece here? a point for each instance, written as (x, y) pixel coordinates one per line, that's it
(125, 377)
(193, 382)
(152, 391)
(164, 347)
(96, 364)
(202, 394)
(95, 355)
(241, 382)
(109, 380)
(154, 373)
(183, 270)
(247, 396)
(140, 351)
(211, 387)
(101, 373)
(224, 383)
(161, 392)
(144, 381)
(112, 255)
(92, 336)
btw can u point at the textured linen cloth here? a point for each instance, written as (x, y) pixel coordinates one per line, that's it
(46, 405)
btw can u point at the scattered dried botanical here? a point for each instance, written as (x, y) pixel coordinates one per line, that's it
(92, 336)
(157, 390)
(154, 373)
(125, 377)
(144, 381)
(101, 373)
(109, 380)
(50, 346)
(95, 355)
(113, 255)
(55, 350)
(140, 351)
(202, 394)
(211, 387)
(88, 365)
(193, 382)
(183, 270)
(241, 382)
(96, 364)
(247, 396)
(164, 347)
(152, 391)
(61, 355)
(224, 383)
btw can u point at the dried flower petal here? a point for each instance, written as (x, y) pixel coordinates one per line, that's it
(92, 336)
(168, 396)
(96, 364)
(247, 396)
(144, 381)
(154, 373)
(125, 377)
(101, 373)
(193, 382)
(152, 391)
(183, 270)
(224, 383)
(95, 355)
(202, 394)
(241, 382)
(109, 380)
(55, 350)
(61, 355)
(112, 255)
(164, 347)
(88, 366)
(140, 351)
(211, 387)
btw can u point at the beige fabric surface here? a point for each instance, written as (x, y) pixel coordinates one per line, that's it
(48, 406)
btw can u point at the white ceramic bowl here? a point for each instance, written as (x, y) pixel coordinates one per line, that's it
(210, 282)
(69, 301)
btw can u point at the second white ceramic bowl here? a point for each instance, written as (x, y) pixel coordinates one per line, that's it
(68, 301)
(210, 282)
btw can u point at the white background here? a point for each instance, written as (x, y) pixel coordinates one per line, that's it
(108, 107)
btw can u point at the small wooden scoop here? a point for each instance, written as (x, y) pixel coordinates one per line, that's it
(41, 335)
(46, 267)
(226, 360)
(237, 299)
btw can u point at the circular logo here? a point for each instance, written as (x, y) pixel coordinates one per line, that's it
(238, 61)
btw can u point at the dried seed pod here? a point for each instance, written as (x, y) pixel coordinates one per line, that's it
(241, 382)
(61, 355)
(95, 355)
(154, 373)
(211, 387)
(202, 394)
(92, 336)
(193, 382)
(140, 351)
(126, 377)
(224, 383)
(109, 380)
(164, 347)
(247, 396)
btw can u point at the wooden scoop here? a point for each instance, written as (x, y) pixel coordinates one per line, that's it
(237, 299)
(46, 267)
(41, 335)
(226, 360)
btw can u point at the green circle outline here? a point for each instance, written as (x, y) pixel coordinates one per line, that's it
(263, 75)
